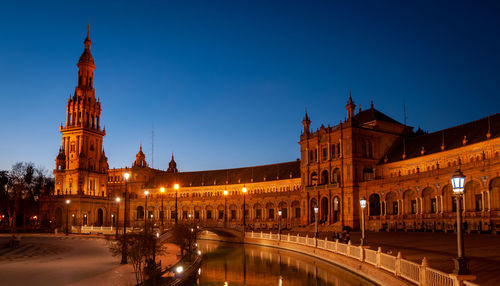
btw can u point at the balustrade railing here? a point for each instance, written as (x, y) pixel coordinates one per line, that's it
(419, 274)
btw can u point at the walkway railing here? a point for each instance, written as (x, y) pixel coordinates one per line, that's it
(419, 274)
(98, 229)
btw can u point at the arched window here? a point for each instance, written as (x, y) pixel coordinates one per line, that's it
(140, 212)
(374, 201)
(324, 177)
(314, 178)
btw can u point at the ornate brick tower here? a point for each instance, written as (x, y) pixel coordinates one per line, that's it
(81, 165)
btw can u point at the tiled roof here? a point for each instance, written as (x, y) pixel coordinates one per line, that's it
(474, 132)
(261, 173)
(372, 114)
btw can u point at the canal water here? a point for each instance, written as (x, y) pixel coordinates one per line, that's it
(237, 264)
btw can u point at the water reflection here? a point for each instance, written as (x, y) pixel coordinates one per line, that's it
(236, 264)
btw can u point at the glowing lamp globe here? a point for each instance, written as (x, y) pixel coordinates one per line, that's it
(362, 202)
(457, 181)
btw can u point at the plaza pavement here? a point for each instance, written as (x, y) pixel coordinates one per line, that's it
(483, 250)
(45, 259)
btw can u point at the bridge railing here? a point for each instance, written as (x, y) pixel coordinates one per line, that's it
(416, 273)
(98, 229)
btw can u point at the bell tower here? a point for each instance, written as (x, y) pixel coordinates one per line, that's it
(82, 165)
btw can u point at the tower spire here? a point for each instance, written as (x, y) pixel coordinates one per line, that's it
(306, 123)
(350, 106)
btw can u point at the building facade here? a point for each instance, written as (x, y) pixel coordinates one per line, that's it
(404, 175)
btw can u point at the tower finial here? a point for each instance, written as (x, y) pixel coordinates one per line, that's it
(88, 30)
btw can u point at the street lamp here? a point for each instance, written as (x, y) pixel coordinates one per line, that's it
(176, 188)
(67, 217)
(146, 193)
(461, 263)
(362, 203)
(162, 191)
(316, 221)
(117, 216)
(225, 207)
(244, 190)
(124, 242)
(279, 224)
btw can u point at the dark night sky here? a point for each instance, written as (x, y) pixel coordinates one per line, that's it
(225, 83)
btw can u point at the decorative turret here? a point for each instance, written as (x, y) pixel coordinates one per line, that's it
(350, 107)
(140, 159)
(61, 160)
(103, 162)
(86, 65)
(172, 166)
(306, 123)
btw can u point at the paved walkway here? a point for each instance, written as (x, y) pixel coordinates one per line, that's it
(483, 250)
(45, 259)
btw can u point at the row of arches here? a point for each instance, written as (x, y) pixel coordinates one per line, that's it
(325, 208)
(253, 211)
(325, 177)
(432, 201)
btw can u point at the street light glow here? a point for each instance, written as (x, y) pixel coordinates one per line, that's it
(362, 202)
(244, 189)
(179, 269)
(117, 200)
(67, 201)
(225, 192)
(457, 180)
(176, 186)
(162, 190)
(126, 176)
(316, 210)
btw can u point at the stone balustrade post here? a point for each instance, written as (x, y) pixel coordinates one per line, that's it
(379, 251)
(423, 269)
(288, 237)
(362, 253)
(336, 245)
(399, 257)
(349, 248)
(261, 234)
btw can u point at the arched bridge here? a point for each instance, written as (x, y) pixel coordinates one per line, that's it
(222, 231)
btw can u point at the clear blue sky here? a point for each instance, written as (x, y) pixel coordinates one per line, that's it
(225, 83)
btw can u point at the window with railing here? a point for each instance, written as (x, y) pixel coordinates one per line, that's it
(413, 206)
(479, 202)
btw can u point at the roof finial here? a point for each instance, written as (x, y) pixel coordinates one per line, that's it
(172, 155)
(488, 134)
(88, 30)
(371, 104)
(442, 140)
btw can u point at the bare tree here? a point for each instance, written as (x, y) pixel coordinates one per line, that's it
(141, 249)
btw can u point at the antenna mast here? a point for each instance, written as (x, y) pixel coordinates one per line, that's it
(152, 146)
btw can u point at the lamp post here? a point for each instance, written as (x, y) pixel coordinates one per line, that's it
(279, 224)
(461, 263)
(225, 207)
(126, 176)
(117, 216)
(162, 192)
(362, 203)
(176, 188)
(316, 221)
(244, 190)
(146, 193)
(67, 217)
